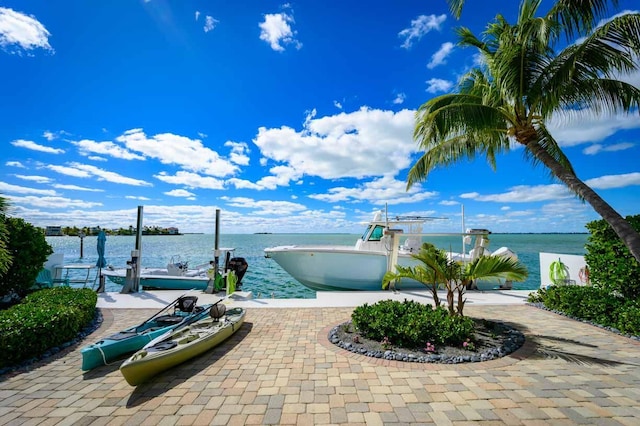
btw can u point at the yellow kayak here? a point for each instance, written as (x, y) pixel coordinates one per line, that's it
(181, 345)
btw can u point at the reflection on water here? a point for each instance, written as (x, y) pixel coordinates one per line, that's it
(265, 277)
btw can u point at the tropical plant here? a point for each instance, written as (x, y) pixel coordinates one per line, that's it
(436, 270)
(419, 273)
(5, 255)
(610, 264)
(410, 324)
(523, 82)
(29, 250)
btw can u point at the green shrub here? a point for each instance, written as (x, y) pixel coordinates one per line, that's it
(629, 318)
(43, 320)
(611, 265)
(584, 302)
(596, 305)
(410, 324)
(29, 250)
(5, 255)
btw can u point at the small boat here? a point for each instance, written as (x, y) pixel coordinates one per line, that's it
(362, 266)
(176, 275)
(178, 313)
(178, 346)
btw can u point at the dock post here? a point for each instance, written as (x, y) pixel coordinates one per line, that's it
(216, 257)
(81, 235)
(132, 280)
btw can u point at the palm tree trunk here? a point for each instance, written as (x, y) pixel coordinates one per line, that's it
(452, 311)
(620, 226)
(434, 293)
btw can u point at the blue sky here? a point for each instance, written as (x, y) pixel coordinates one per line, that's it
(288, 117)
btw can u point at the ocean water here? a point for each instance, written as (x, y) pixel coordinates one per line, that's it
(264, 276)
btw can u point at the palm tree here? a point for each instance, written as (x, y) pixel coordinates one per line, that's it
(435, 270)
(523, 83)
(424, 273)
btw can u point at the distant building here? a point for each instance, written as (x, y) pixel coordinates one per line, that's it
(53, 231)
(173, 231)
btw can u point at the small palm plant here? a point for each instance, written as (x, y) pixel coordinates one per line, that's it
(436, 270)
(424, 273)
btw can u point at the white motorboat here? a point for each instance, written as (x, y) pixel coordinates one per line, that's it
(363, 265)
(177, 275)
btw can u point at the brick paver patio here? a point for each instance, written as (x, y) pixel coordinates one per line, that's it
(279, 368)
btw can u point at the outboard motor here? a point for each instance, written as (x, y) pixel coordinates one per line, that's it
(238, 265)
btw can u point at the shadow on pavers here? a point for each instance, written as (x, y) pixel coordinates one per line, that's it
(167, 380)
(540, 346)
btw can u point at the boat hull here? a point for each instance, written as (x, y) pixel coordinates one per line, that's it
(189, 341)
(348, 270)
(338, 268)
(150, 280)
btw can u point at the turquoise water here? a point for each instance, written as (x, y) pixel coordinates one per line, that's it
(264, 277)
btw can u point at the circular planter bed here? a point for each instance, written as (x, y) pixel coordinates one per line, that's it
(492, 340)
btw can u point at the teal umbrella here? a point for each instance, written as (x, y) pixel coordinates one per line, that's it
(102, 239)
(102, 262)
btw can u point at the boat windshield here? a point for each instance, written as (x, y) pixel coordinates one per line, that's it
(377, 233)
(366, 232)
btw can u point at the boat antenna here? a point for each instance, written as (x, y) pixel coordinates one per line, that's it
(386, 214)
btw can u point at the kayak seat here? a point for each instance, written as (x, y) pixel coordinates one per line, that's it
(217, 311)
(163, 346)
(187, 303)
(165, 320)
(122, 335)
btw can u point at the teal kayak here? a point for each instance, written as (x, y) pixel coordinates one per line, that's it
(179, 313)
(182, 344)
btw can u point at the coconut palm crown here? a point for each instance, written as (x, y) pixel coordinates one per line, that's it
(523, 82)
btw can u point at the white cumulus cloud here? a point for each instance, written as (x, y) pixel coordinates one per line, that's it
(596, 148)
(209, 23)
(22, 33)
(363, 143)
(36, 147)
(436, 85)
(439, 58)
(276, 30)
(419, 27)
(181, 193)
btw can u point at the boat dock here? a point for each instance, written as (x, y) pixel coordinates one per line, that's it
(149, 299)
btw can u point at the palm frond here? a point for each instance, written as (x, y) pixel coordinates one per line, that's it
(580, 17)
(586, 74)
(457, 126)
(466, 38)
(456, 7)
(456, 117)
(496, 267)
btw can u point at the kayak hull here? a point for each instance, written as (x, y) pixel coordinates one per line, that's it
(180, 346)
(107, 350)
(134, 338)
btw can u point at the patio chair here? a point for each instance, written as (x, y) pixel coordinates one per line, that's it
(46, 280)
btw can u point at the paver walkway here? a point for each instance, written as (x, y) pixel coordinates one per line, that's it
(280, 369)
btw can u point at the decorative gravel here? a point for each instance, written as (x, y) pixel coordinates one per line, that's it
(499, 341)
